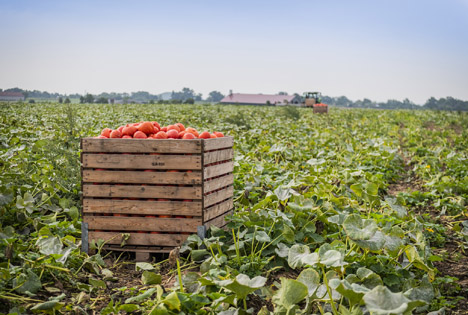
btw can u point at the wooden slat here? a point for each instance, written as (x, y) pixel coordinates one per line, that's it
(105, 206)
(144, 239)
(141, 145)
(139, 177)
(142, 224)
(219, 196)
(217, 156)
(132, 161)
(128, 191)
(218, 183)
(220, 169)
(218, 143)
(217, 210)
(219, 221)
(136, 250)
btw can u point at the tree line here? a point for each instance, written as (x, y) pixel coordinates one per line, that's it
(189, 96)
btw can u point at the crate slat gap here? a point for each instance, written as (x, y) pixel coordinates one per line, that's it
(187, 182)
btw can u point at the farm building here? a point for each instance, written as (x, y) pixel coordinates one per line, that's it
(260, 99)
(11, 96)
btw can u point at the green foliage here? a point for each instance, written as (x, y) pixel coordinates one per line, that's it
(313, 198)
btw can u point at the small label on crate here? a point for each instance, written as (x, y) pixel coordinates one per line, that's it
(158, 164)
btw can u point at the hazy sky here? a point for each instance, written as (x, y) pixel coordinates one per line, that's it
(379, 49)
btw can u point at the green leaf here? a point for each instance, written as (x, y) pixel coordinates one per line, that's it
(332, 258)
(172, 301)
(295, 255)
(27, 282)
(242, 285)
(129, 308)
(357, 189)
(149, 278)
(143, 266)
(261, 236)
(288, 234)
(353, 292)
(199, 254)
(49, 245)
(382, 301)
(141, 297)
(49, 305)
(291, 293)
(311, 279)
(359, 229)
(284, 193)
(400, 211)
(375, 243)
(97, 283)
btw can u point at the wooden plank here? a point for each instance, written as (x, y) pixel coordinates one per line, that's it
(139, 177)
(143, 207)
(218, 196)
(219, 221)
(220, 169)
(141, 145)
(217, 210)
(217, 183)
(142, 224)
(135, 191)
(142, 257)
(134, 161)
(146, 239)
(218, 156)
(135, 249)
(218, 143)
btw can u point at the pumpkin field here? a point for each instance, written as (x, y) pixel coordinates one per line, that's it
(357, 211)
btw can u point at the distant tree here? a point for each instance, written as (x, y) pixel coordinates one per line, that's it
(183, 95)
(60, 100)
(102, 100)
(89, 98)
(189, 101)
(283, 93)
(151, 101)
(82, 99)
(31, 101)
(215, 96)
(67, 101)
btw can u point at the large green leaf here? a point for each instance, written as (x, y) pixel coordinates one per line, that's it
(382, 301)
(27, 282)
(359, 229)
(291, 293)
(242, 285)
(311, 279)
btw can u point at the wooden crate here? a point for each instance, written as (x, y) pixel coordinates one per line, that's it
(320, 109)
(158, 191)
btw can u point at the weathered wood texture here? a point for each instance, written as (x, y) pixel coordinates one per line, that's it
(143, 224)
(142, 207)
(141, 162)
(158, 191)
(139, 191)
(139, 177)
(218, 156)
(321, 109)
(219, 221)
(141, 145)
(143, 239)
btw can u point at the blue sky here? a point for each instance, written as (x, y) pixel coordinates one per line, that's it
(376, 49)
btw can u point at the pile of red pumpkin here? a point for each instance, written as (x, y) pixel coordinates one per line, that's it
(320, 105)
(152, 130)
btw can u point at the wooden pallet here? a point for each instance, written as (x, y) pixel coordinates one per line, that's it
(320, 109)
(157, 191)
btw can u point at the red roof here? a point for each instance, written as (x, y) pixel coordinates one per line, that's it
(257, 98)
(13, 94)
